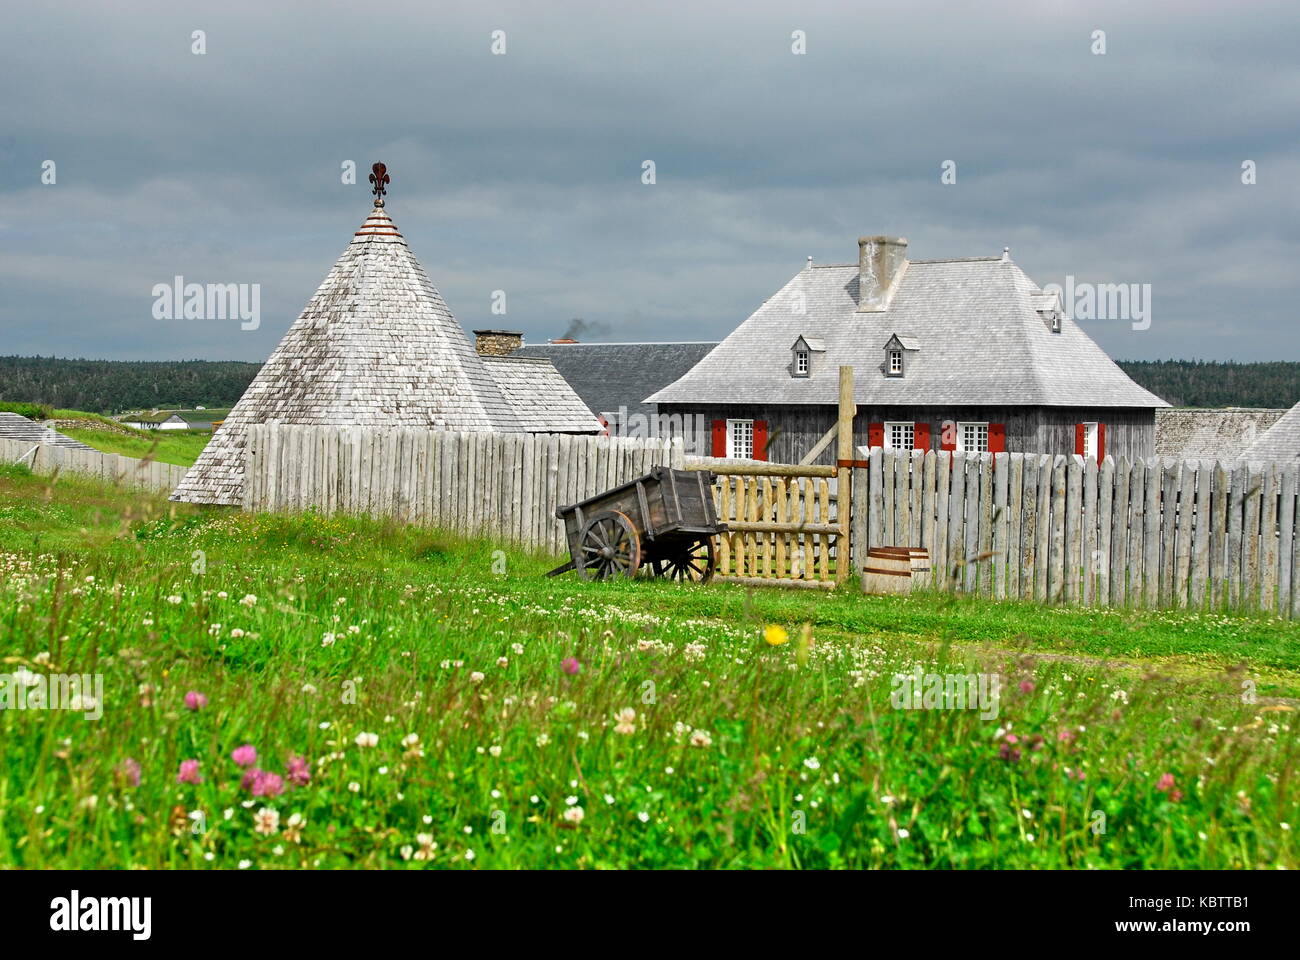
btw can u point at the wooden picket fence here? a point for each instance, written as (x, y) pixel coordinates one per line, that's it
(45, 459)
(504, 485)
(1150, 533)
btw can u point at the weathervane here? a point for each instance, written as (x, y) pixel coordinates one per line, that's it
(378, 183)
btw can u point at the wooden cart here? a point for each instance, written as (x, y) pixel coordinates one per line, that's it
(663, 523)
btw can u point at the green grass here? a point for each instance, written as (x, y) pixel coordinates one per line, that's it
(166, 446)
(799, 759)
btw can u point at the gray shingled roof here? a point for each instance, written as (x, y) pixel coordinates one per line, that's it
(609, 375)
(1279, 444)
(980, 338)
(543, 402)
(1210, 434)
(375, 346)
(16, 427)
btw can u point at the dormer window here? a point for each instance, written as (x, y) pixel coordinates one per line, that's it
(802, 356)
(1048, 305)
(897, 357)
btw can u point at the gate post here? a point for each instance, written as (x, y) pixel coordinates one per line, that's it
(843, 479)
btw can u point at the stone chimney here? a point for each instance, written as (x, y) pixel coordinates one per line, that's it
(881, 263)
(497, 343)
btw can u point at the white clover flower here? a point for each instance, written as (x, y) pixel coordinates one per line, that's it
(367, 739)
(574, 815)
(250, 600)
(266, 821)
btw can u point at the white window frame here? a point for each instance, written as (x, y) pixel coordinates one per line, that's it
(894, 361)
(740, 435)
(909, 429)
(1090, 438)
(802, 363)
(961, 435)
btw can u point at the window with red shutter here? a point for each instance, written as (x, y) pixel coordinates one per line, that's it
(760, 439)
(719, 438)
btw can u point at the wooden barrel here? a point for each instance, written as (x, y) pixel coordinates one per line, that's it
(895, 569)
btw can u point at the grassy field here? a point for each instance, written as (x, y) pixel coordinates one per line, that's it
(166, 446)
(415, 700)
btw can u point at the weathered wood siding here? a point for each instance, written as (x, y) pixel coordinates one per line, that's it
(503, 485)
(794, 430)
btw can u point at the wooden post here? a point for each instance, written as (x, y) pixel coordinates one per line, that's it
(843, 481)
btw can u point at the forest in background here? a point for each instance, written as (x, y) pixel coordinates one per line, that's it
(115, 386)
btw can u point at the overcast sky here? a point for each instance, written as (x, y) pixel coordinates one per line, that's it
(523, 172)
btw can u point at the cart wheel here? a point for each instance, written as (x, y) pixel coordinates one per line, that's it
(694, 565)
(609, 547)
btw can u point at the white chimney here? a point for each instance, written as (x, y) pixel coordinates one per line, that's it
(881, 264)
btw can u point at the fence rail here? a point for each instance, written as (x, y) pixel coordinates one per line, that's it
(45, 458)
(1151, 533)
(495, 484)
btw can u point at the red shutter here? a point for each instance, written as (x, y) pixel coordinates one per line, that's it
(760, 439)
(719, 438)
(1080, 438)
(1101, 442)
(921, 431)
(997, 438)
(875, 434)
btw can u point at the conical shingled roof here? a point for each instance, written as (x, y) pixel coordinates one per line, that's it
(375, 346)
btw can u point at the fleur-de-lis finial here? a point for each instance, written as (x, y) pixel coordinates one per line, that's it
(379, 183)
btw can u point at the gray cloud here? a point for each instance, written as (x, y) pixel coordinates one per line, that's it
(522, 172)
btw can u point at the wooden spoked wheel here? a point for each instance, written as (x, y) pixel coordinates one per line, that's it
(609, 547)
(695, 564)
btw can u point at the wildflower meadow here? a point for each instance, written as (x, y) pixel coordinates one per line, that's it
(266, 692)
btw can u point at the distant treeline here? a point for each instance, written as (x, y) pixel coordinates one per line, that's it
(114, 386)
(1202, 383)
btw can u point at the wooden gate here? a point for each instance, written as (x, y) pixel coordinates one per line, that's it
(786, 524)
